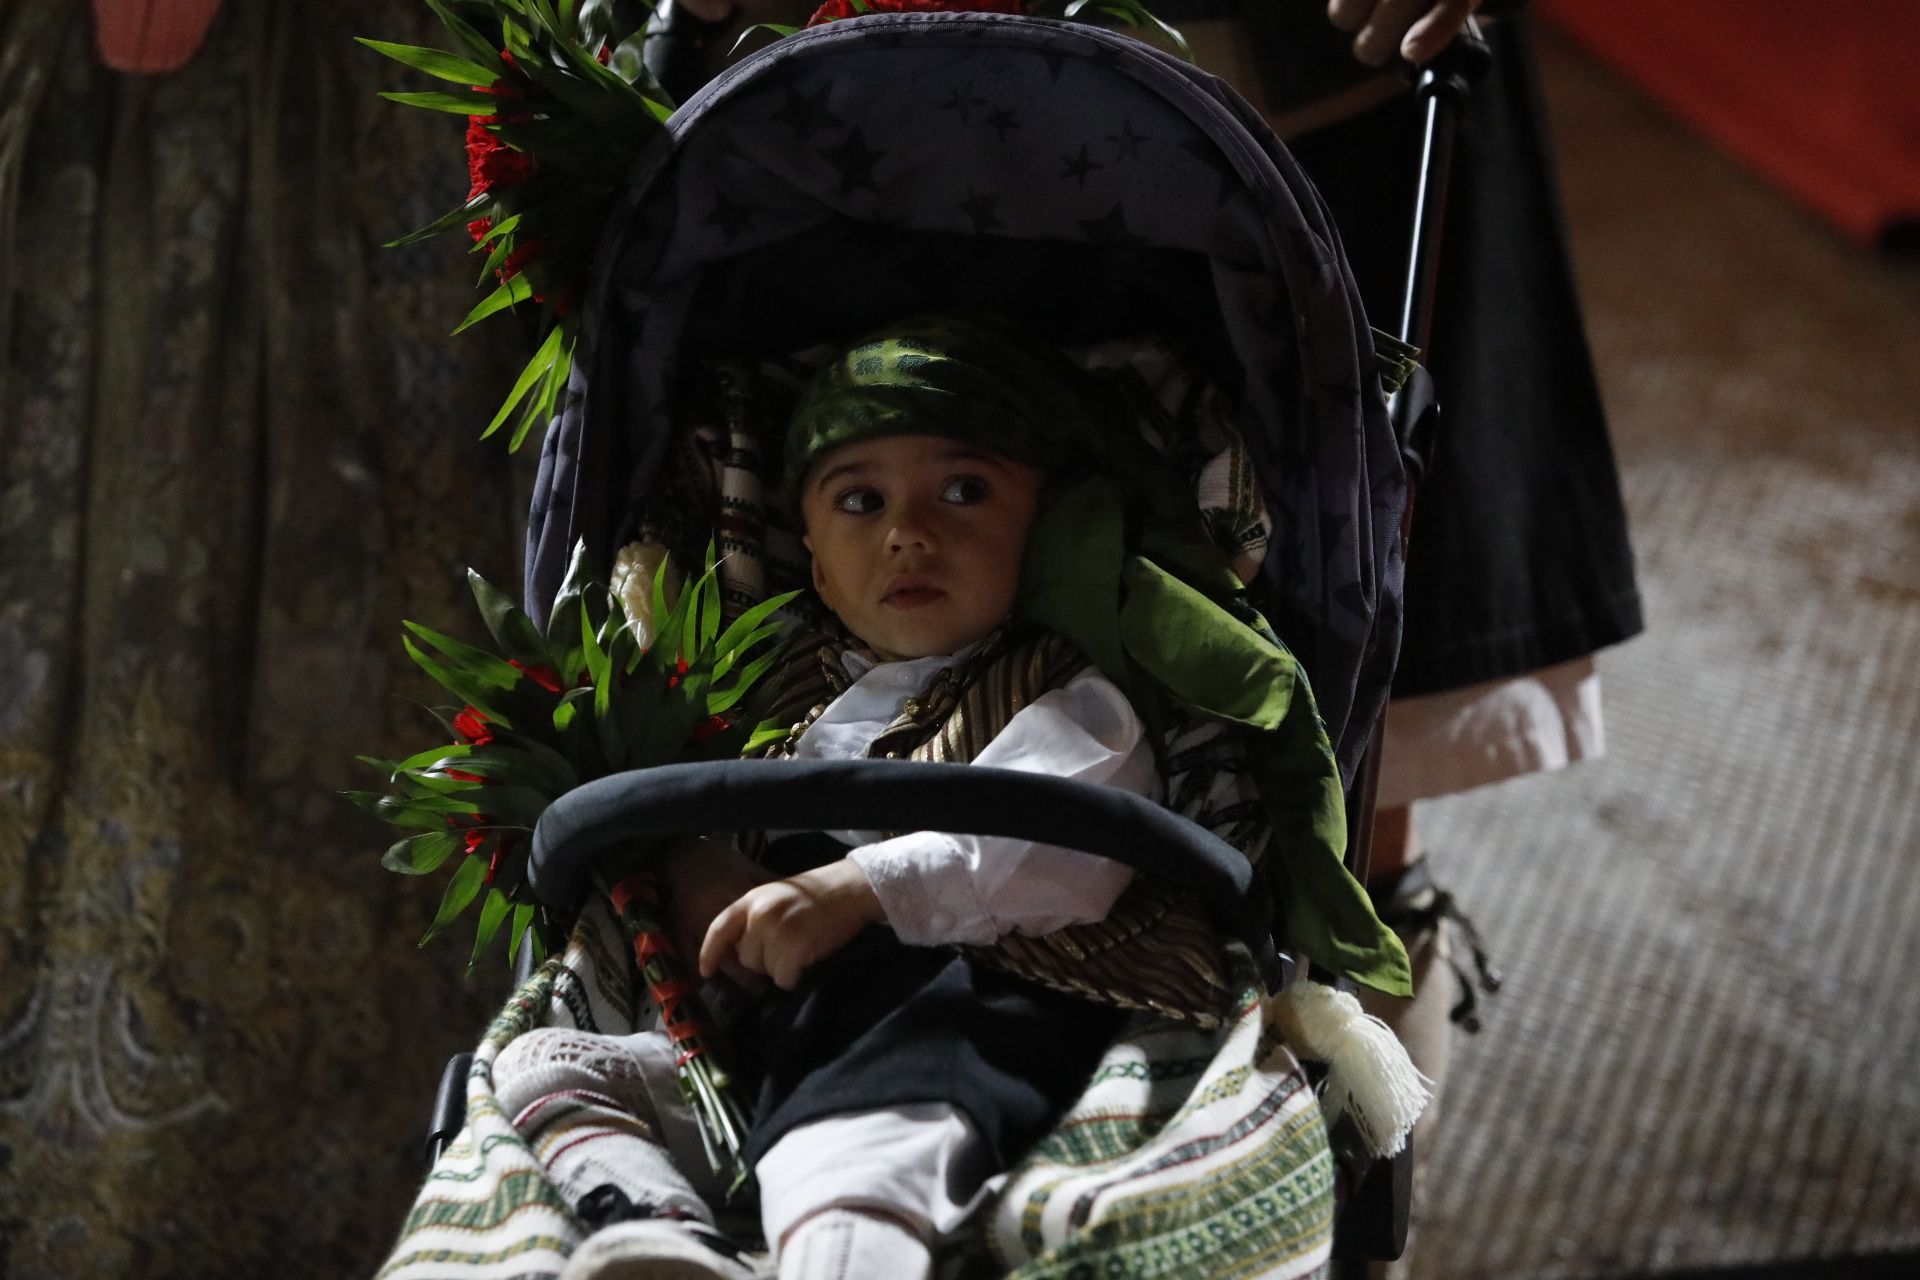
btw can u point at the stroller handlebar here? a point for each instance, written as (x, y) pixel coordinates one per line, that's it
(888, 795)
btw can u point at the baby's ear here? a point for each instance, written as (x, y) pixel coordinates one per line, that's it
(813, 567)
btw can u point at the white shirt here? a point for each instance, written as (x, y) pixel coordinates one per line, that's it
(937, 887)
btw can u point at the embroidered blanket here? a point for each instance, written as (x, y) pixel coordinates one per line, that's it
(1192, 1152)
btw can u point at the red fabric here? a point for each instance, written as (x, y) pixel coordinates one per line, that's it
(151, 35)
(1823, 100)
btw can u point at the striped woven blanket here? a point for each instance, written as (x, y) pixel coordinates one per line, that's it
(1192, 1153)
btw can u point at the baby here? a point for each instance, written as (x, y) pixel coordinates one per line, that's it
(916, 544)
(901, 1073)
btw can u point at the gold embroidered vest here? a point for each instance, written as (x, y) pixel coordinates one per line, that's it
(1156, 950)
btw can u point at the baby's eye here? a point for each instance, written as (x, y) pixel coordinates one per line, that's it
(964, 490)
(859, 501)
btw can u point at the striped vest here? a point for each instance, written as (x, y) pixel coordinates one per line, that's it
(1157, 949)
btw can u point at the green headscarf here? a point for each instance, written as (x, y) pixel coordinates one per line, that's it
(1119, 562)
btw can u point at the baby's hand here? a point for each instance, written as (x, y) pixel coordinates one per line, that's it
(782, 928)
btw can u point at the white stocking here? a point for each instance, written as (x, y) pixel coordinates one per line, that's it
(854, 1244)
(866, 1191)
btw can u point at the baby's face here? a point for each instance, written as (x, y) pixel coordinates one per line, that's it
(917, 540)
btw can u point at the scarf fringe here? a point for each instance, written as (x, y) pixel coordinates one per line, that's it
(1369, 1075)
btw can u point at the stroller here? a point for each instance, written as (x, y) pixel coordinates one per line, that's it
(1136, 213)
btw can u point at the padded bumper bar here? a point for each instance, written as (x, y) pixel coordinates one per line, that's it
(887, 795)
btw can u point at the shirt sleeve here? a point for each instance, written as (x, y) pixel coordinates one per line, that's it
(937, 887)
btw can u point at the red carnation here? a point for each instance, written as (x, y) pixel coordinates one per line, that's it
(474, 839)
(710, 728)
(523, 253)
(519, 258)
(544, 676)
(471, 725)
(461, 775)
(490, 162)
(834, 10)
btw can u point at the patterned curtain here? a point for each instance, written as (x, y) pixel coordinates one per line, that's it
(236, 448)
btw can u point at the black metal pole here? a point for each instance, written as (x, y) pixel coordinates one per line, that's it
(1441, 86)
(1429, 218)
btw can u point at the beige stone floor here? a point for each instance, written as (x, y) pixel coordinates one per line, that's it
(1705, 1054)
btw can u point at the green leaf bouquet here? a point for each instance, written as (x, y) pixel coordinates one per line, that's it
(599, 691)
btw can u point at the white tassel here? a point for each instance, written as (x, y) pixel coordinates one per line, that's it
(1369, 1075)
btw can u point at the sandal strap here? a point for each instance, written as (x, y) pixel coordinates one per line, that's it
(607, 1204)
(1412, 902)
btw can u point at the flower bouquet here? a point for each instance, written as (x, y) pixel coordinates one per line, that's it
(558, 102)
(603, 689)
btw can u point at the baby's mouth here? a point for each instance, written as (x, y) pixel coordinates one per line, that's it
(911, 594)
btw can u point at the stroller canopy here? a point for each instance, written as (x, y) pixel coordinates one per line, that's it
(1076, 180)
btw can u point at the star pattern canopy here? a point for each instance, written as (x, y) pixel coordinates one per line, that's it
(1072, 177)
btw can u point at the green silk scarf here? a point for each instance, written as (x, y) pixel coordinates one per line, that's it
(1119, 562)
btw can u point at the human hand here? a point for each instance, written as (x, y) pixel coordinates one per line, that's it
(1417, 29)
(783, 928)
(701, 878)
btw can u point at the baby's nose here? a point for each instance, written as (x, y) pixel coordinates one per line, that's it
(909, 530)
